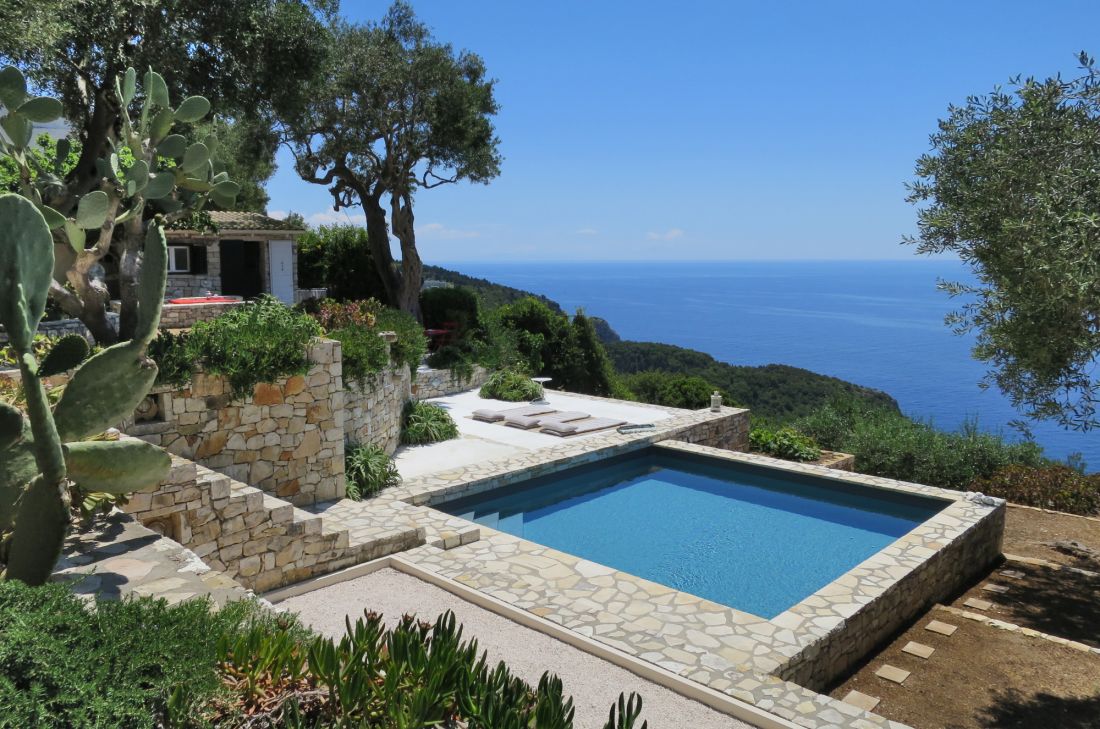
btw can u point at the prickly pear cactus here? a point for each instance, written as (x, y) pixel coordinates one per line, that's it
(43, 460)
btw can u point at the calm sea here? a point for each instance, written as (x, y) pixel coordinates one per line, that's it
(878, 324)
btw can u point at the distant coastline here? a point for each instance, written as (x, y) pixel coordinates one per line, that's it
(876, 325)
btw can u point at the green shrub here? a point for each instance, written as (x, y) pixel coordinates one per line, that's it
(260, 341)
(174, 362)
(512, 386)
(115, 665)
(670, 390)
(337, 257)
(411, 344)
(368, 470)
(451, 305)
(537, 332)
(535, 338)
(887, 443)
(1060, 488)
(418, 674)
(784, 442)
(333, 314)
(364, 353)
(582, 365)
(423, 422)
(458, 358)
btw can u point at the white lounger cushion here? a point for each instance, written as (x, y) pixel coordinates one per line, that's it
(533, 421)
(581, 426)
(495, 416)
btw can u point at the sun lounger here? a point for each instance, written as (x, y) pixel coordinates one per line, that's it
(495, 416)
(581, 426)
(526, 422)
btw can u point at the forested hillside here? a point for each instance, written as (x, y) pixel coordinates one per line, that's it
(491, 294)
(771, 391)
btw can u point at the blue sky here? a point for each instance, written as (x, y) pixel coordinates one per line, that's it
(712, 130)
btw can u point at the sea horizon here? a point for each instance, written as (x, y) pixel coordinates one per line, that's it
(884, 331)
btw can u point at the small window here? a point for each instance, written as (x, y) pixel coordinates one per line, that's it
(179, 259)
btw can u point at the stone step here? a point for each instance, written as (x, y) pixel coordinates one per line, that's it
(258, 538)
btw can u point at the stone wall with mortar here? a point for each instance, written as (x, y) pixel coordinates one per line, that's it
(439, 383)
(258, 540)
(286, 438)
(184, 316)
(957, 562)
(372, 412)
(191, 284)
(61, 327)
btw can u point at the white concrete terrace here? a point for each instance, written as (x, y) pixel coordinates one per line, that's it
(479, 442)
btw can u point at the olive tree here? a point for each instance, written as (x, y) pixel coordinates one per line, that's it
(251, 59)
(1012, 187)
(398, 112)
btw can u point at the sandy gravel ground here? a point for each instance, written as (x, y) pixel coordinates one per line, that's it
(593, 682)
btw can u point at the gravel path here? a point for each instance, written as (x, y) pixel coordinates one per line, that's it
(593, 682)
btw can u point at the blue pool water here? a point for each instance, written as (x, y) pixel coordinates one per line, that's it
(752, 538)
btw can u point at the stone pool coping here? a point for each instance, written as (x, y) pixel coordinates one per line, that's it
(773, 665)
(766, 663)
(645, 669)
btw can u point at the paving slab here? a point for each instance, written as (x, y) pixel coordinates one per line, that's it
(892, 673)
(937, 626)
(977, 603)
(993, 587)
(919, 650)
(861, 700)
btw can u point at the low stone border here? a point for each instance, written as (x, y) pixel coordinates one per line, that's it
(758, 661)
(1013, 628)
(646, 670)
(1049, 565)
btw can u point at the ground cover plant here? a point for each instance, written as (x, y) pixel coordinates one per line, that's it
(423, 422)
(1057, 487)
(118, 665)
(887, 443)
(784, 442)
(368, 470)
(511, 385)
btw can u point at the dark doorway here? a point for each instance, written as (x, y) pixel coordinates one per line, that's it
(241, 274)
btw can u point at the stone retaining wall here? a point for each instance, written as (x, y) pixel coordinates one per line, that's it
(287, 438)
(260, 541)
(439, 383)
(953, 565)
(184, 316)
(372, 413)
(61, 327)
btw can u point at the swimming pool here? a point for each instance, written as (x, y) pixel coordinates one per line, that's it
(749, 537)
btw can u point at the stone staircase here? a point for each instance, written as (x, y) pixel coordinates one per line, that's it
(258, 539)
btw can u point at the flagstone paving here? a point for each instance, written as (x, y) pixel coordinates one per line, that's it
(117, 557)
(747, 657)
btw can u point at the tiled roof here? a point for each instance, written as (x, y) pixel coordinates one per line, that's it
(232, 220)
